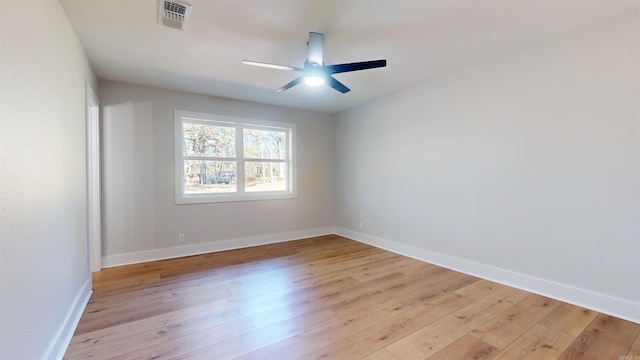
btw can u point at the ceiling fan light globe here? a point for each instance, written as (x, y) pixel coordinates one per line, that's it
(314, 80)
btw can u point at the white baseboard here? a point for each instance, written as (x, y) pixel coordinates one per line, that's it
(60, 342)
(605, 304)
(214, 246)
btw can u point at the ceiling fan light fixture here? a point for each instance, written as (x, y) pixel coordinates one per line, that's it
(314, 80)
(315, 72)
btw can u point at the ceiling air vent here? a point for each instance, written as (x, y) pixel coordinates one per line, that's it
(174, 14)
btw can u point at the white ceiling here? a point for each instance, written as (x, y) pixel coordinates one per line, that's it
(420, 40)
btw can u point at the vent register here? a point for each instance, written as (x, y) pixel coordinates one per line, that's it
(174, 14)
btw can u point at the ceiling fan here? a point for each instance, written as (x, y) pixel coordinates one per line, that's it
(315, 72)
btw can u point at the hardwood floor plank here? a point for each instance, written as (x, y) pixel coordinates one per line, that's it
(466, 347)
(568, 318)
(330, 297)
(177, 329)
(378, 336)
(635, 348)
(479, 289)
(339, 263)
(381, 355)
(377, 291)
(82, 340)
(503, 329)
(120, 346)
(180, 345)
(539, 343)
(387, 332)
(606, 337)
(248, 342)
(143, 308)
(433, 338)
(381, 268)
(327, 333)
(410, 289)
(434, 286)
(318, 316)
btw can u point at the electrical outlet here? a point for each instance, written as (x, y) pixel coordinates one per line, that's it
(180, 238)
(361, 226)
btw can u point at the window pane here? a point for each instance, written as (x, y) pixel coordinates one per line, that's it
(208, 140)
(265, 144)
(265, 176)
(209, 176)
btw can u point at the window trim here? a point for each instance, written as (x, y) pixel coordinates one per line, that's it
(240, 124)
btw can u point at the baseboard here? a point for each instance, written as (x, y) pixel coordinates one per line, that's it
(605, 304)
(214, 246)
(60, 342)
(602, 303)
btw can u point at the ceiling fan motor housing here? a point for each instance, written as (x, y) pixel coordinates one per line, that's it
(316, 43)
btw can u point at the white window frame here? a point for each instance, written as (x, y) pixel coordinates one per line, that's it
(239, 124)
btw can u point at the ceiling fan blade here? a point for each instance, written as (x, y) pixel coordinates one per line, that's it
(271, 66)
(293, 83)
(363, 65)
(337, 85)
(315, 44)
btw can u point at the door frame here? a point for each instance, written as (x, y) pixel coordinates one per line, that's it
(93, 180)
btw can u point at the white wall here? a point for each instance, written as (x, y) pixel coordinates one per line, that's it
(141, 221)
(44, 271)
(526, 166)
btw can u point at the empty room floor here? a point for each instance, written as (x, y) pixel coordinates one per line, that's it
(331, 298)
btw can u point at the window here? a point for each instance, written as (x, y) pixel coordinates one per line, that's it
(222, 158)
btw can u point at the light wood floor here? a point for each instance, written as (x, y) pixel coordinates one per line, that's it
(331, 298)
